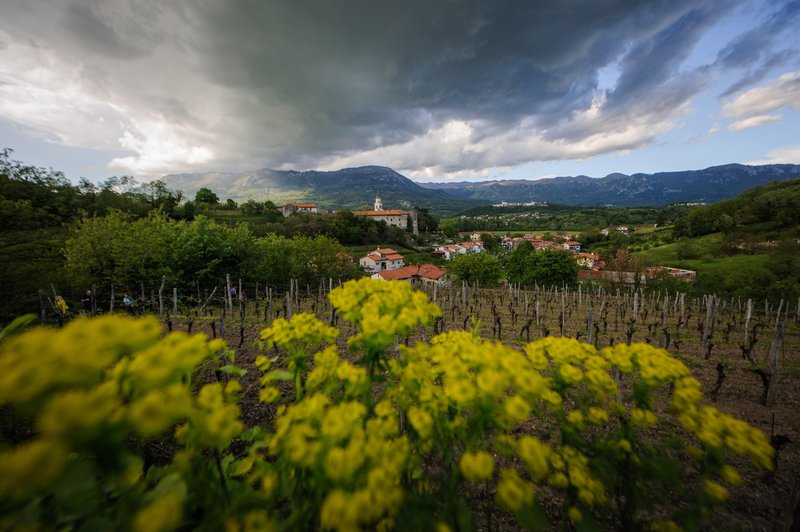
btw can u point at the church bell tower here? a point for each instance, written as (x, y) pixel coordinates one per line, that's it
(378, 204)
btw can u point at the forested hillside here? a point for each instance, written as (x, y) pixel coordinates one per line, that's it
(768, 208)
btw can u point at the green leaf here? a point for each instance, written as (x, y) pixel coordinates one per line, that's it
(235, 371)
(280, 375)
(252, 434)
(19, 323)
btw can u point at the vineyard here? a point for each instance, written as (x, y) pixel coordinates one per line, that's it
(374, 406)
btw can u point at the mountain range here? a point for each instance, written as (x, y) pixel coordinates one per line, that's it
(663, 188)
(354, 188)
(350, 188)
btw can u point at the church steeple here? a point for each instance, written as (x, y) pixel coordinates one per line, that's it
(378, 204)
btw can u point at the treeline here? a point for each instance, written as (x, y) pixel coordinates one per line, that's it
(524, 267)
(38, 209)
(120, 250)
(343, 226)
(558, 217)
(770, 207)
(119, 231)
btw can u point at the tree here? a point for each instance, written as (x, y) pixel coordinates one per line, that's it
(426, 222)
(205, 196)
(491, 242)
(548, 267)
(481, 268)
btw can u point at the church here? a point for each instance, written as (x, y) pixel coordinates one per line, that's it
(395, 217)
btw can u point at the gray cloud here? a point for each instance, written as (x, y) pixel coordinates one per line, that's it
(756, 51)
(239, 83)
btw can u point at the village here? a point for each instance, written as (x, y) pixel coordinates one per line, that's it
(386, 263)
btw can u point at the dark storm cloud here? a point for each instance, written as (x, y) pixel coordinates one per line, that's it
(353, 70)
(299, 83)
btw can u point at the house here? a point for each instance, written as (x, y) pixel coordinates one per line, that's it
(473, 246)
(622, 229)
(449, 251)
(572, 245)
(395, 217)
(291, 208)
(414, 274)
(588, 260)
(381, 259)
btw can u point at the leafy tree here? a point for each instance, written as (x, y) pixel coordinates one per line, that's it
(161, 197)
(426, 222)
(277, 259)
(119, 249)
(516, 262)
(491, 242)
(548, 267)
(205, 196)
(481, 268)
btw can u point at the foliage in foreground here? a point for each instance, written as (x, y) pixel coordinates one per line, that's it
(444, 434)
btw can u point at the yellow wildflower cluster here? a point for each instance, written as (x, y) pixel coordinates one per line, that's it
(303, 333)
(460, 371)
(89, 388)
(355, 450)
(363, 457)
(382, 310)
(42, 361)
(330, 371)
(477, 465)
(715, 430)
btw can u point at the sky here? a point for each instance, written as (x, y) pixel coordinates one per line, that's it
(436, 89)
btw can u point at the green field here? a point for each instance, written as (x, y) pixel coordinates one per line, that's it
(703, 259)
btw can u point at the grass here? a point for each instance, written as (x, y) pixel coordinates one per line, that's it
(703, 260)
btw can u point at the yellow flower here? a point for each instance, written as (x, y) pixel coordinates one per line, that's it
(158, 410)
(598, 416)
(516, 408)
(342, 419)
(30, 467)
(570, 374)
(513, 493)
(421, 421)
(643, 418)
(477, 466)
(575, 418)
(716, 491)
(535, 454)
(730, 475)
(163, 514)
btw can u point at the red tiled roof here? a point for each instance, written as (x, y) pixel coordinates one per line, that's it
(303, 205)
(429, 271)
(394, 256)
(572, 243)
